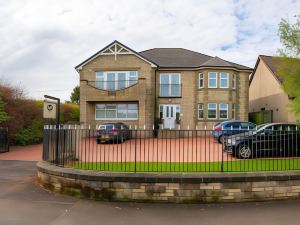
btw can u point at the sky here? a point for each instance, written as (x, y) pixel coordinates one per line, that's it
(42, 41)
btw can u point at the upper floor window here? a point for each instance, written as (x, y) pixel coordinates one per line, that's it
(116, 111)
(224, 80)
(234, 81)
(170, 85)
(212, 80)
(115, 80)
(201, 80)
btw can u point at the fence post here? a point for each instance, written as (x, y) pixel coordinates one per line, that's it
(135, 152)
(222, 162)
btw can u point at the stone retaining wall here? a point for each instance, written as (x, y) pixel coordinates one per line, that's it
(177, 188)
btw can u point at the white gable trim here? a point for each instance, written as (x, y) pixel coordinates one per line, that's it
(115, 49)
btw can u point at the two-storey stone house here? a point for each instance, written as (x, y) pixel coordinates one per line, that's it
(176, 87)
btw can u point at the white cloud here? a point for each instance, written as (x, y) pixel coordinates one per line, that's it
(42, 41)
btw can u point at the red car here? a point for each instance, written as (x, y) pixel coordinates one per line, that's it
(116, 132)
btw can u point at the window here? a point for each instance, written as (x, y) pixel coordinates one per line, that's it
(201, 80)
(247, 126)
(212, 111)
(233, 126)
(200, 111)
(115, 80)
(234, 81)
(233, 111)
(224, 80)
(116, 111)
(223, 110)
(212, 80)
(170, 85)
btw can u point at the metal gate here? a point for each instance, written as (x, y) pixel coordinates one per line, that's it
(4, 144)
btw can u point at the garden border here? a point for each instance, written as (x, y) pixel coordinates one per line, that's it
(177, 188)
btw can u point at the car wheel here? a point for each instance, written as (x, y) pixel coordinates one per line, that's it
(244, 152)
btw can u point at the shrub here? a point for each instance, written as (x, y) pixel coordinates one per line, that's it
(31, 135)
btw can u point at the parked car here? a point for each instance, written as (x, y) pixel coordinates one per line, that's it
(231, 127)
(269, 140)
(113, 131)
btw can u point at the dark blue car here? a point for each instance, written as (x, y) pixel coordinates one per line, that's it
(231, 127)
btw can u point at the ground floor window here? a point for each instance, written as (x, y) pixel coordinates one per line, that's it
(223, 111)
(116, 111)
(212, 111)
(215, 111)
(200, 111)
(233, 111)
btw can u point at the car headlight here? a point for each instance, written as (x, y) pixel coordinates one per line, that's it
(231, 141)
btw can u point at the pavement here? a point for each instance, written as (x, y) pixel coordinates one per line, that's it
(23, 201)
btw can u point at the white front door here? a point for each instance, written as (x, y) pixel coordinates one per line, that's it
(169, 115)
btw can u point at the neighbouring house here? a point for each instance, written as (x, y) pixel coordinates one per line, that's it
(266, 93)
(174, 87)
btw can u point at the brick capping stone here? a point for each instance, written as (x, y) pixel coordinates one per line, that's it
(178, 188)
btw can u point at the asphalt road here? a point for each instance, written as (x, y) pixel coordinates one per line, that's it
(23, 202)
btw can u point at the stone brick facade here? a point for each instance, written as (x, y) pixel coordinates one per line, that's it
(175, 188)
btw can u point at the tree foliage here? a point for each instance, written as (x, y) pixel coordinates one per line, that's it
(289, 66)
(289, 35)
(75, 95)
(3, 115)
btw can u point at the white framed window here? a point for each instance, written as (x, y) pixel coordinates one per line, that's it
(200, 111)
(212, 111)
(234, 81)
(233, 111)
(170, 85)
(115, 80)
(201, 80)
(212, 80)
(224, 79)
(120, 111)
(223, 111)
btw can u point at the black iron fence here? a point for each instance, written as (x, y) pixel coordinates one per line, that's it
(4, 143)
(172, 151)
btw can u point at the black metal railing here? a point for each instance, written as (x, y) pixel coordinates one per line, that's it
(4, 142)
(112, 85)
(170, 90)
(173, 151)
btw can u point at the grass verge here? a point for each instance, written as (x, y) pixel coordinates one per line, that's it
(251, 165)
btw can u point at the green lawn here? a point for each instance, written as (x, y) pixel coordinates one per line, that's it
(251, 165)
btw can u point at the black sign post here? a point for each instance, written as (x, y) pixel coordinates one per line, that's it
(57, 123)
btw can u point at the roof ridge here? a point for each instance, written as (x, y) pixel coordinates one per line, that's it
(176, 48)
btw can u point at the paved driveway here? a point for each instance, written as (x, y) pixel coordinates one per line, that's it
(23, 202)
(198, 149)
(25, 153)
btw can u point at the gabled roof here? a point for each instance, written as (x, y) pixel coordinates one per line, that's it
(166, 57)
(122, 49)
(272, 63)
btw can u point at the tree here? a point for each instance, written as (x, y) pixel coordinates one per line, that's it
(3, 115)
(289, 35)
(289, 66)
(75, 95)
